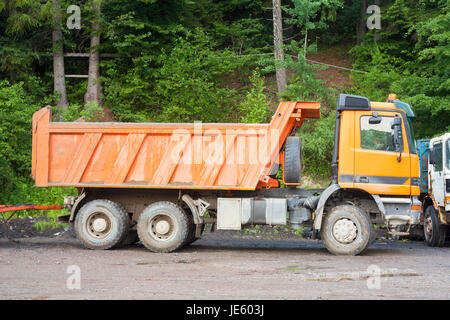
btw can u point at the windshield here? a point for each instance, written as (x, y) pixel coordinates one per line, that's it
(447, 154)
(411, 116)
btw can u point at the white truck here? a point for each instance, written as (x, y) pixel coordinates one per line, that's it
(435, 189)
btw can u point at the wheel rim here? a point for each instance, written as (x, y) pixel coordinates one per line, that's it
(428, 227)
(98, 225)
(161, 227)
(345, 231)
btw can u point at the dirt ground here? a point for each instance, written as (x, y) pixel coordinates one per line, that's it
(221, 265)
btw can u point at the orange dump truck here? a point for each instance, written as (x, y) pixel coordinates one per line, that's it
(161, 183)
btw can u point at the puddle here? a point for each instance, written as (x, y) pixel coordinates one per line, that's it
(358, 276)
(187, 261)
(147, 263)
(295, 268)
(303, 268)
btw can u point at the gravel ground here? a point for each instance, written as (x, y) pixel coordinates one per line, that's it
(221, 265)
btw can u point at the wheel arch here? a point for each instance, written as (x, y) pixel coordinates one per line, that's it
(187, 199)
(334, 190)
(80, 200)
(427, 201)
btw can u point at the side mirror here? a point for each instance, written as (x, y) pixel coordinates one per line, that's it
(375, 119)
(398, 135)
(432, 157)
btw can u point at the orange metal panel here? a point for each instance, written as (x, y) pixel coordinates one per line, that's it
(211, 169)
(101, 162)
(347, 146)
(381, 164)
(41, 120)
(62, 150)
(155, 155)
(125, 159)
(81, 158)
(170, 159)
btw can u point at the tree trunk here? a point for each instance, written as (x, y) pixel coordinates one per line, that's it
(59, 81)
(278, 44)
(361, 26)
(93, 92)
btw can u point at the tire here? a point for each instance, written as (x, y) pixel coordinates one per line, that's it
(434, 232)
(163, 227)
(97, 215)
(292, 160)
(347, 230)
(191, 231)
(192, 238)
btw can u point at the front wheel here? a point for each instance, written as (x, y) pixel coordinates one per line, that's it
(347, 230)
(434, 231)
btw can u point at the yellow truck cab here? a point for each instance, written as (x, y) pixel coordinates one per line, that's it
(375, 165)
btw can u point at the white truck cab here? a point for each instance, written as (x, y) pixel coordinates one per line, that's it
(437, 212)
(439, 170)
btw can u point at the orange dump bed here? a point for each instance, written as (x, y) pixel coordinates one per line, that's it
(157, 155)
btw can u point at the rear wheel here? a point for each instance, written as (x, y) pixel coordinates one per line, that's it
(434, 231)
(347, 230)
(163, 227)
(101, 224)
(191, 230)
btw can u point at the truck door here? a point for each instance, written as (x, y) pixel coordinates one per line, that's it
(380, 168)
(437, 173)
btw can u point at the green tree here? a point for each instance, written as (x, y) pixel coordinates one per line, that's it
(411, 60)
(188, 84)
(309, 16)
(255, 108)
(17, 106)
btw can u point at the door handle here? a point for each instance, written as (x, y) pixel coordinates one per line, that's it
(363, 179)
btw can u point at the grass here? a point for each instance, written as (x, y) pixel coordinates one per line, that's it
(53, 223)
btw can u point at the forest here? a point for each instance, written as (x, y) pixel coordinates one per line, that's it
(213, 61)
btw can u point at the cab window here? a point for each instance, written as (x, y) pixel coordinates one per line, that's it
(377, 136)
(438, 152)
(447, 153)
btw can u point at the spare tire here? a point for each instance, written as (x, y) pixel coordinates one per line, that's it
(292, 160)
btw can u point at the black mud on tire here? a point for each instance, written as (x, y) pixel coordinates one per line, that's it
(175, 219)
(364, 234)
(118, 224)
(293, 160)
